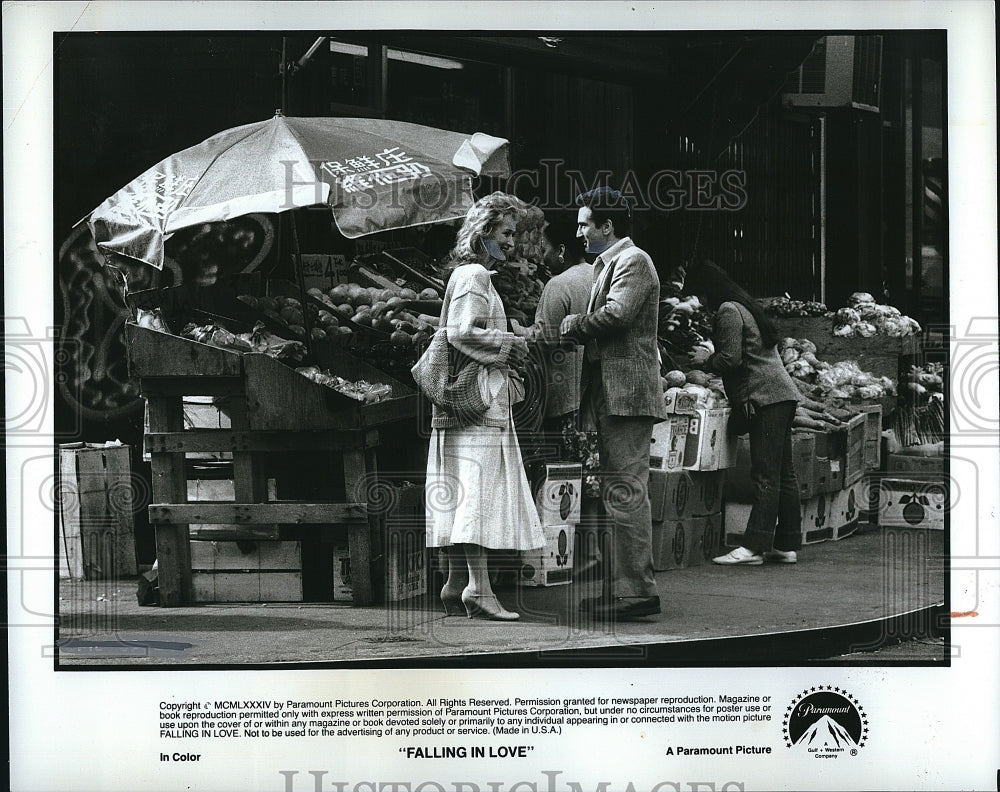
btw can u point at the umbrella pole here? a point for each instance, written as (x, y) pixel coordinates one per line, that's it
(300, 278)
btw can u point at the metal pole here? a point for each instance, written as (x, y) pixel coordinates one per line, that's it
(300, 278)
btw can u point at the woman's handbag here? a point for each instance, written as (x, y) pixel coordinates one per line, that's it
(450, 379)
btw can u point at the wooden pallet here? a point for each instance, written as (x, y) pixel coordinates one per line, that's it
(271, 408)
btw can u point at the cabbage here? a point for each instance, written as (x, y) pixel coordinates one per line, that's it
(859, 298)
(790, 355)
(805, 345)
(844, 331)
(847, 316)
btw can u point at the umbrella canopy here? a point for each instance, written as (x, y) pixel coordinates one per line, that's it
(375, 175)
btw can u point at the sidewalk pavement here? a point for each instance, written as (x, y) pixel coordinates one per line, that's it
(850, 597)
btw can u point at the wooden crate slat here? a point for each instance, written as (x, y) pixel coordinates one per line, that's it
(201, 440)
(243, 555)
(252, 513)
(170, 484)
(152, 353)
(278, 398)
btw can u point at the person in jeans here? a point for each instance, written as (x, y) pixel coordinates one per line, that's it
(746, 357)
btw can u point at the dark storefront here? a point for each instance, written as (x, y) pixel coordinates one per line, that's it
(805, 164)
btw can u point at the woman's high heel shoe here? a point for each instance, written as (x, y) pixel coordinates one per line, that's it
(486, 606)
(451, 599)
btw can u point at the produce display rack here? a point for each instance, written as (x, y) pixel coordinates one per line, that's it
(272, 409)
(884, 356)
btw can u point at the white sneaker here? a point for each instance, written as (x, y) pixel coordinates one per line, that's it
(739, 556)
(782, 556)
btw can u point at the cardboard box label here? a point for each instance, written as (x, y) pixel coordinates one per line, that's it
(706, 491)
(846, 507)
(680, 401)
(906, 503)
(551, 565)
(677, 544)
(666, 451)
(816, 523)
(558, 495)
(669, 495)
(708, 445)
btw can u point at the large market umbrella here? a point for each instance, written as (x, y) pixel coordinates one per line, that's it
(375, 175)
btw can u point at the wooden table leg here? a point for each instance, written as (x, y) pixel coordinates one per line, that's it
(359, 535)
(173, 551)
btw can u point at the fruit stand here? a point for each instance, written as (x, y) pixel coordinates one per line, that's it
(272, 408)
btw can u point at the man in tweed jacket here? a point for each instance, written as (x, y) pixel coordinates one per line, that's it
(623, 394)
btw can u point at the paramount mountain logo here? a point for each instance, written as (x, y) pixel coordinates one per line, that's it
(826, 722)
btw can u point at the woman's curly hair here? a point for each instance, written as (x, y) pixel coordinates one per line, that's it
(480, 221)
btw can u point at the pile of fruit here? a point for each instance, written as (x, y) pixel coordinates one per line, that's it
(257, 340)
(382, 310)
(337, 315)
(705, 390)
(786, 306)
(683, 324)
(842, 380)
(360, 390)
(864, 318)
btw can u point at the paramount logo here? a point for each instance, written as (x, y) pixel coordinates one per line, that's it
(827, 733)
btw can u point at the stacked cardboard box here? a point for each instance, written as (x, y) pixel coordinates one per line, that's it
(687, 521)
(558, 498)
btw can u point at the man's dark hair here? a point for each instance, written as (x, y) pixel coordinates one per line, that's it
(607, 204)
(561, 230)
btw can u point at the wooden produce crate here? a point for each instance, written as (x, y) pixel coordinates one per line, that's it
(854, 453)
(96, 519)
(878, 354)
(271, 409)
(873, 436)
(246, 571)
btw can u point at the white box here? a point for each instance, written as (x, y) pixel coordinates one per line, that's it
(551, 565)
(817, 525)
(912, 503)
(406, 566)
(845, 509)
(558, 497)
(680, 401)
(708, 445)
(666, 450)
(343, 588)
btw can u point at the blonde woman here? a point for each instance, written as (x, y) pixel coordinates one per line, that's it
(478, 497)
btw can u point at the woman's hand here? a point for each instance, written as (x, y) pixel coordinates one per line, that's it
(518, 352)
(518, 329)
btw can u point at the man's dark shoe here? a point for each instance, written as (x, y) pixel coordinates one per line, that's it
(625, 608)
(591, 604)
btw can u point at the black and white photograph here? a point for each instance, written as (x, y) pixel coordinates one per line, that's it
(527, 396)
